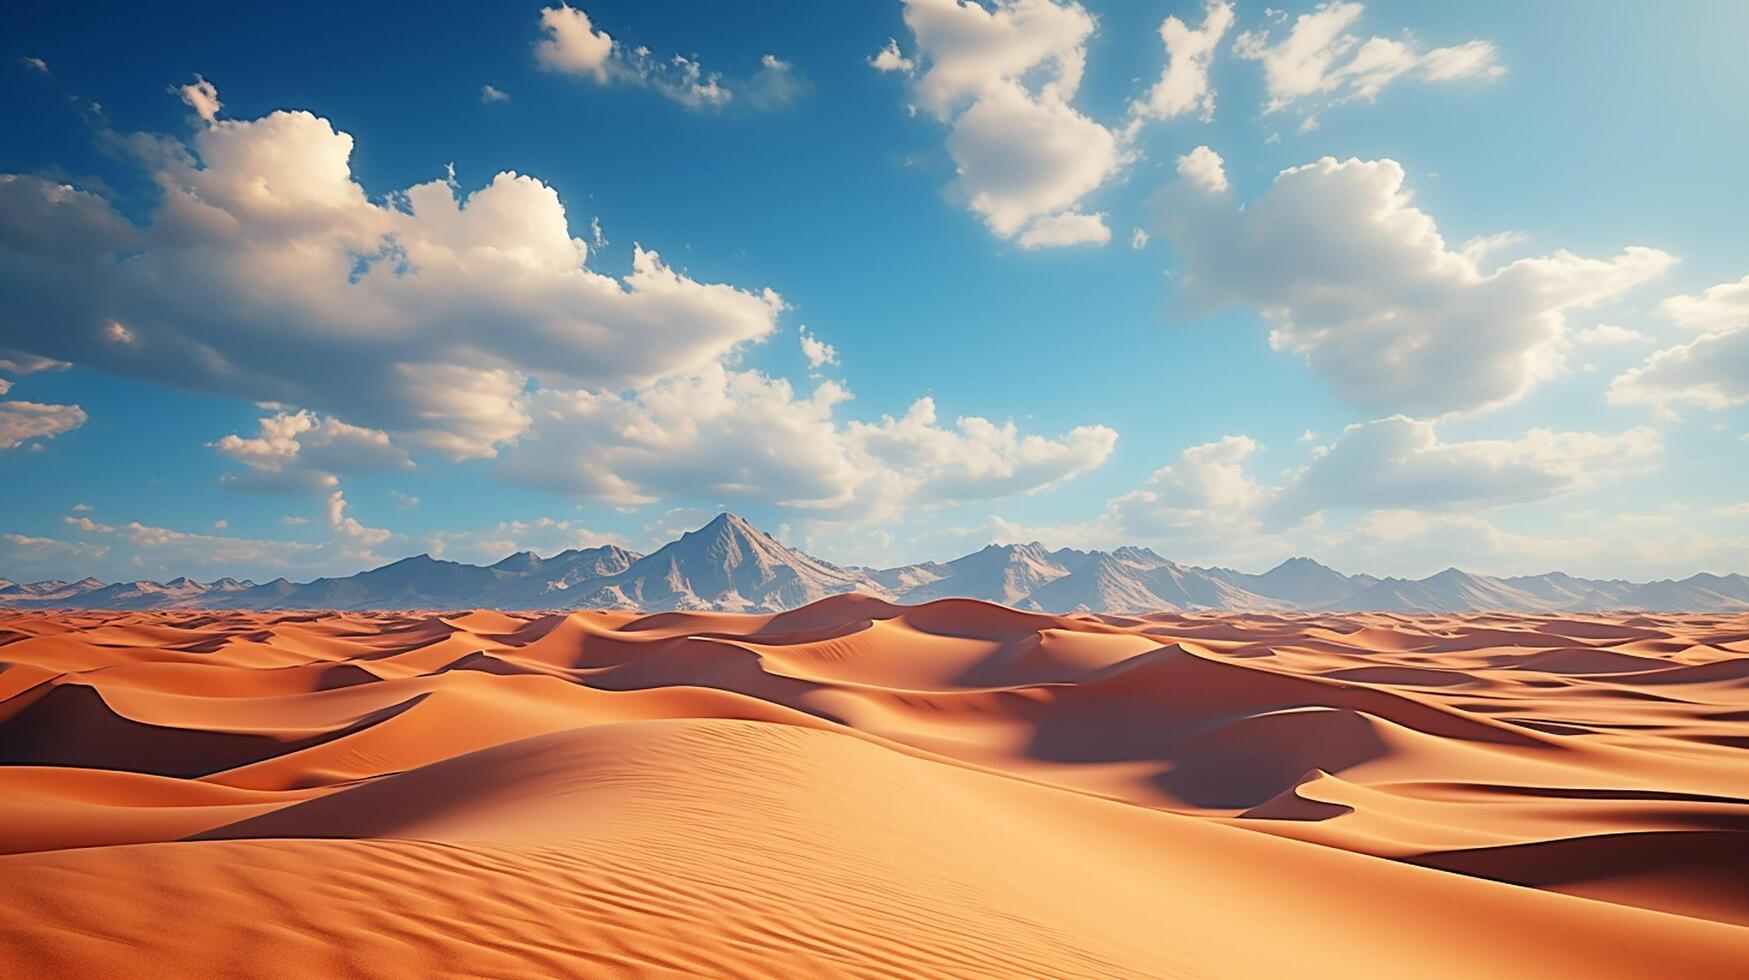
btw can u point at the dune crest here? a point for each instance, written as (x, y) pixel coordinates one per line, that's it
(862, 788)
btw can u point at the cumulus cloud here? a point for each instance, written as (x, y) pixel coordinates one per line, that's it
(1205, 496)
(267, 272)
(742, 437)
(491, 93)
(571, 44)
(889, 59)
(1357, 281)
(817, 351)
(1209, 499)
(1184, 86)
(977, 459)
(1401, 463)
(23, 421)
(203, 97)
(1319, 61)
(300, 452)
(1204, 169)
(1066, 228)
(1712, 370)
(1003, 78)
(348, 527)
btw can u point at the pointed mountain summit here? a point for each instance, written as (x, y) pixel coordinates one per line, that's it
(1004, 573)
(1304, 582)
(728, 564)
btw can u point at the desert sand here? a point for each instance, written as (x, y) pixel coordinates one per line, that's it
(863, 789)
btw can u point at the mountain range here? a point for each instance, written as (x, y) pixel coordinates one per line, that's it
(730, 565)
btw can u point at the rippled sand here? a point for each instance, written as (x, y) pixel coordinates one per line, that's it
(862, 789)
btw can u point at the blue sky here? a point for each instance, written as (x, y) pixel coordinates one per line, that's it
(452, 375)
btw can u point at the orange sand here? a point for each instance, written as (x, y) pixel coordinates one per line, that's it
(862, 789)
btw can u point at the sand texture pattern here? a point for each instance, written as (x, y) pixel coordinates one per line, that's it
(862, 789)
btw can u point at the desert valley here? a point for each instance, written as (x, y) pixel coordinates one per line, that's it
(858, 788)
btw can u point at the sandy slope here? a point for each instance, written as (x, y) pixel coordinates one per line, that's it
(864, 789)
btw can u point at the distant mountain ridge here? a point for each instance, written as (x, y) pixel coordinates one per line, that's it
(730, 565)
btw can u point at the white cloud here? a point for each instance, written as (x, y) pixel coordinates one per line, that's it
(1711, 370)
(1184, 85)
(1608, 335)
(347, 526)
(1204, 168)
(1022, 159)
(1359, 282)
(203, 97)
(492, 93)
(729, 434)
(35, 64)
(977, 459)
(573, 45)
(1209, 501)
(1717, 309)
(23, 421)
(404, 501)
(967, 51)
(1319, 61)
(1003, 78)
(1472, 59)
(299, 452)
(889, 59)
(1400, 463)
(1204, 497)
(1064, 229)
(87, 525)
(268, 273)
(1138, 239)
(817, 351)
(743, 437)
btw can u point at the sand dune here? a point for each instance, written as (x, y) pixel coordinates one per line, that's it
(861, 788)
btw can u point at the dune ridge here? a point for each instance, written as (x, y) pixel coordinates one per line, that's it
(862, 788)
